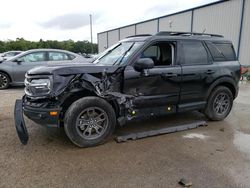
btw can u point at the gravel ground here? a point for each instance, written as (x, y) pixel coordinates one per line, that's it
(214, 156)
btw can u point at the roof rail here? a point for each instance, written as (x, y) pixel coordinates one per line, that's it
(173, 33)
(141, 35)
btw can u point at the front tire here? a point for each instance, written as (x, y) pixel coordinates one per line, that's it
(89, 121)
(4, 81)
(219, 103)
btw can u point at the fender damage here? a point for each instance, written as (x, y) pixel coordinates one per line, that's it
(105, 82)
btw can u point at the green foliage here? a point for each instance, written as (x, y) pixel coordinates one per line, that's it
(70, 45)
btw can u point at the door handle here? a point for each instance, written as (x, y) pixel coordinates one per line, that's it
(210, 72)
(169, 75)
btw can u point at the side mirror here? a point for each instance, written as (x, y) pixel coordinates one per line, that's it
(143, 64)
(18, 61)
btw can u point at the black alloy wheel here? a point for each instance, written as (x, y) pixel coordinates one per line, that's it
(89, 121)
(4, 80)
(92, 123)
(219, 103)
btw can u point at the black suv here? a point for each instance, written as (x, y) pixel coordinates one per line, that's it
(140, 76)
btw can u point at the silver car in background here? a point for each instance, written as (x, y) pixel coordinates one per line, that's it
(12, 71)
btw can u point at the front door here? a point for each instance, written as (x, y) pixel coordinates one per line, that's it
(161, 86)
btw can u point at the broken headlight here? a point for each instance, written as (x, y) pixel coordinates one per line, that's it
(37, 87)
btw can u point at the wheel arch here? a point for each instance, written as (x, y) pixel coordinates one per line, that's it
(5, 72)
(227, 82)
(68, 100)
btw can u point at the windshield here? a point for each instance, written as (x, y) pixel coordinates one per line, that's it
(118, 53)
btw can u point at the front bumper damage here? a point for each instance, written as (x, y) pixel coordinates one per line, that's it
(39, 115)
(19, 122)
(42, 116)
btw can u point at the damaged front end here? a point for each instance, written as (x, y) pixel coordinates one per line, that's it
(49, 94)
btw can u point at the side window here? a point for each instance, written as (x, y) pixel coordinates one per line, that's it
(33, 57)
(222, 51)
(152, 52)
(216, 54)
(71, 57)
(58, 56)
(161, 53)
(194, 53)
(9, 54)
(226, 50)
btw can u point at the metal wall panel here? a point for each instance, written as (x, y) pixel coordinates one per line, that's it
(245, 36)
(127, 31)
(178, 22)
(113, 37)
(102, 42)
(223, 18)
(219, 18)
(149, 27)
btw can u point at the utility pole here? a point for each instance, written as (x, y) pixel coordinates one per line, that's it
(91, 36)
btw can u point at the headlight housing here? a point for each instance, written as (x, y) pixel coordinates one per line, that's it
(38, 86)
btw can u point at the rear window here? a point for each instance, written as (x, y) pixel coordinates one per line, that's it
(222, 51)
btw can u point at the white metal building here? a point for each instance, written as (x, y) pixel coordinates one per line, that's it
(230, 18)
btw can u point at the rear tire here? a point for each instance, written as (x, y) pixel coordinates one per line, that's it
(4, 81)
(219, 103)
(89, 121)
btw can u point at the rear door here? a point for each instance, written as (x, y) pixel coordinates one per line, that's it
(26, 62)
(198, 72)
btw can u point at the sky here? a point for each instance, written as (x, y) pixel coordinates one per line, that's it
(64, 20)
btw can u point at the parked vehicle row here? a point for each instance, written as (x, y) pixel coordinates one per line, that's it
(13, 69)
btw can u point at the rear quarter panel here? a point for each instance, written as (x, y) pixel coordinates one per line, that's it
(228, 73)
(229, 68)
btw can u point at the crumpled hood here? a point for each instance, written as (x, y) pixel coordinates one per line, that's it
(71, 68)
(94, 75)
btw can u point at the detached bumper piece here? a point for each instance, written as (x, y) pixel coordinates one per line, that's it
(144, 134)
(19, 122)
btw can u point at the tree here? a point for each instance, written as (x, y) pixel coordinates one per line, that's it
(70, 45)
